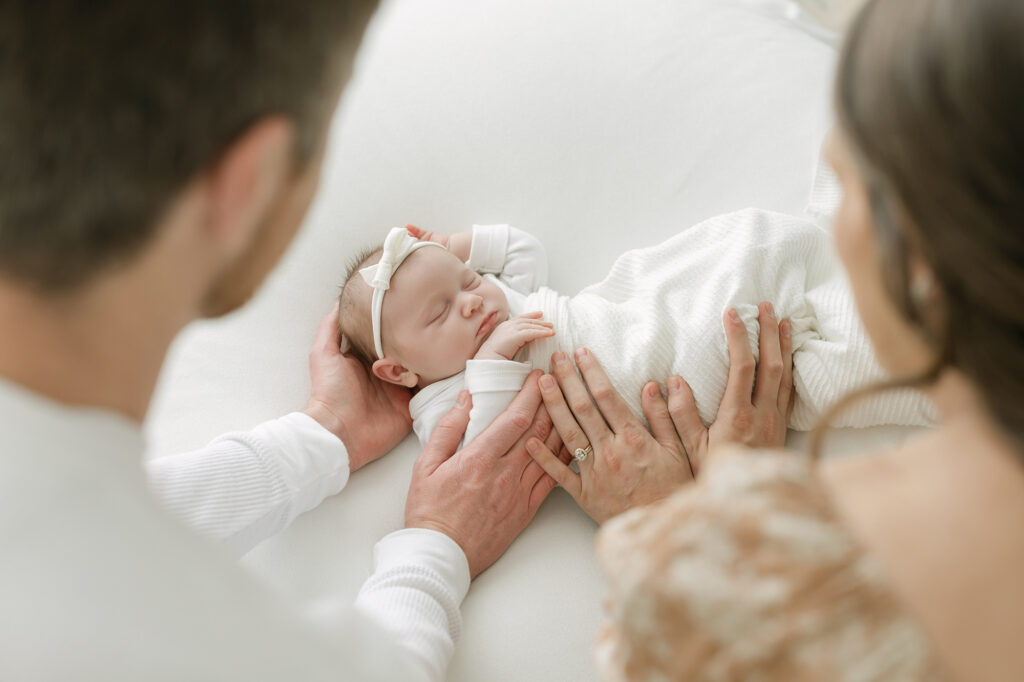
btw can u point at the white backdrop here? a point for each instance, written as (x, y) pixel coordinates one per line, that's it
(598, 125)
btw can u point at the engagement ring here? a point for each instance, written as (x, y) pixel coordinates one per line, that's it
(582, 453)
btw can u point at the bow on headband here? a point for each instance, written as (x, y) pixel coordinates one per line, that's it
(397, 247)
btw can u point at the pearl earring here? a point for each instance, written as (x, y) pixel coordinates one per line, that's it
(922, 290)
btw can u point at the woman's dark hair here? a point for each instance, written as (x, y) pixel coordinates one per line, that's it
(930, 98)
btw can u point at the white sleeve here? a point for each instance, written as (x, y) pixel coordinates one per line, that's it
(244, 487)
(516, 257)
(420, 579)
(493, 384)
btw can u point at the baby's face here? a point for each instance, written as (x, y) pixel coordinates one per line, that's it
(438, 313)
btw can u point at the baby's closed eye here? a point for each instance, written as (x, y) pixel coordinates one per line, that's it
(438, 313)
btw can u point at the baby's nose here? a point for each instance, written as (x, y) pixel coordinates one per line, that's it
(470, 304)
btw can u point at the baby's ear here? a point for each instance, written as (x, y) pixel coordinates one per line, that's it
(394, 373)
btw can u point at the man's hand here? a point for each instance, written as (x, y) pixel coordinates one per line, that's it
(512, 334)
(369, 416)
(484, 495)
(459, 243)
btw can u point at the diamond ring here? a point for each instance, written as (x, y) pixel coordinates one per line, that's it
(582, 453)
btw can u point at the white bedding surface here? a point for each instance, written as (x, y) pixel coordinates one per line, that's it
(598, 126)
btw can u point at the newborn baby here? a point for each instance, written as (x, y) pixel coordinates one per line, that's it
(441, 313)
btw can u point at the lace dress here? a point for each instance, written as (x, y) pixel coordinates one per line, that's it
(750, 575)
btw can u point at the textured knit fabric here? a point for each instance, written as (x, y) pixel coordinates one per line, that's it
(99, 582)
(659, 313)
(749, 574)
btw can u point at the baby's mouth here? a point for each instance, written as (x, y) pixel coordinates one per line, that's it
(487, 324)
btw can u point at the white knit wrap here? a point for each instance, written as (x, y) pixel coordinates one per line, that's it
(659, 312)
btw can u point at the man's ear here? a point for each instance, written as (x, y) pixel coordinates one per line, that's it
(244, 182)
(394, 373)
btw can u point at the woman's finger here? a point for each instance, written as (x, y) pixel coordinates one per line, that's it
(683, 410)
(561, 416)
(555, 468)
(614, 409)
(662, 427)
(656, 411)
(578, 400)
(786, 392)
(740, 385)
(769, 368)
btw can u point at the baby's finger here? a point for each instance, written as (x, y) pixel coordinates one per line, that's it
(740, 384)
(533, 315)
(527, 335)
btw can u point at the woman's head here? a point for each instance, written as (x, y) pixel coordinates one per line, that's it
(930, 148)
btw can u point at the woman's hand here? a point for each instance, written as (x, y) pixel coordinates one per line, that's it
(627, 467)
(752, 413)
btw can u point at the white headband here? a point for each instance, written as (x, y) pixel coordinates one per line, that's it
(397, 247)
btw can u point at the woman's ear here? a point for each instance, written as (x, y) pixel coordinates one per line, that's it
(393, 373)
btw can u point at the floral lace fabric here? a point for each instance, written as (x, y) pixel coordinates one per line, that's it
(750, 575)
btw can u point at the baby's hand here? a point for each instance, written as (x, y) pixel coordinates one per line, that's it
(427, 236)
(512, 334)
(458, 243)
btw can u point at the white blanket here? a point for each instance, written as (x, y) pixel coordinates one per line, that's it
(659, 312)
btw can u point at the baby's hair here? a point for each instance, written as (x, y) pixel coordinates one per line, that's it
(354, 310)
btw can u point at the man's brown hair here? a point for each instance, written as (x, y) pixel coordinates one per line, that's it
(108, 108)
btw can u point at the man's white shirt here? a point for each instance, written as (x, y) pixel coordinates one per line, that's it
(99, 581)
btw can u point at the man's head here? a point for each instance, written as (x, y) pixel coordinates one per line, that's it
(111, 111)
(436, 315)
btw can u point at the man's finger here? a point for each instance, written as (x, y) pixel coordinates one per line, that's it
(769, 367)
(541, 489)
(328, 334)
(740, 385)
(498, 438)
(555, 468)
(447, 435)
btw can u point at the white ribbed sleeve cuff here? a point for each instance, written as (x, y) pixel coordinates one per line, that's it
(493, 384)
(489, 248)
(244, 487)
(419, 581)
(483, 376)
